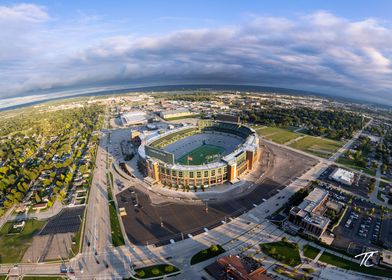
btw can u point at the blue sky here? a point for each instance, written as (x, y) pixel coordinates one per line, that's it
(341, 48)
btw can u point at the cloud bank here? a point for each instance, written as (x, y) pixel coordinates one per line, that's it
(319, 52)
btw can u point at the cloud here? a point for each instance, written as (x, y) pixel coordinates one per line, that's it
(23, 12)
(318, 51)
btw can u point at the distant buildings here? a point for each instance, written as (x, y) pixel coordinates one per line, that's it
(308, 216)
(134, 118)
(342, 176)
(175, 113)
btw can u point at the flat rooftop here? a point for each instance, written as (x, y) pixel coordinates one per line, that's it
(313, 200)
(134, 117)
(344, 175)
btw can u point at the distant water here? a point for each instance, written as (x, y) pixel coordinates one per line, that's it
(242, 88)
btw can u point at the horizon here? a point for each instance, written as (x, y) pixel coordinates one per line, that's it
(32, 100)
(329, 49)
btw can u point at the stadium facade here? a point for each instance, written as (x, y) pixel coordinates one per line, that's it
(170, 158)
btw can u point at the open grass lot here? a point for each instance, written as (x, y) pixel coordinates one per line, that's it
(200, 155)
(278, 135)
(14, 246)
(155, 270)
(311, 252)
(282, 251)
(346, 264)
(351, 163)
(206, 254)
(321, 147)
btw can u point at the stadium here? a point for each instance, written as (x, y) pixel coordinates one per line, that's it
(200, 156)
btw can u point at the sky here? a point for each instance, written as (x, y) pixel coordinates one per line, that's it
(58, 48)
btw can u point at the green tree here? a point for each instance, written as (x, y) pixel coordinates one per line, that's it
(155, 271)
(141, 273)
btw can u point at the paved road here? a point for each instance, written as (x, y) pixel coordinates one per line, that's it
(97, 224)
(250, 228)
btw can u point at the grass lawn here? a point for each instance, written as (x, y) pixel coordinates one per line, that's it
(212, 251)
(117, 237)
(76, 238)
(200, 155)
(14, 246)
(42, 278)
(350, 265)
(311, 252)
(321, 147)
(155, 270)
(278, 135)
(351, 163)
(285, 252)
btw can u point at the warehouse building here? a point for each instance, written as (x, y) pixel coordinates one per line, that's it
(134, 118)
(170, 114)
(342, 176)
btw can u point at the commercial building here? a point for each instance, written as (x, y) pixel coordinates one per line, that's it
(239, 143)
(237, 268)
(134, 118)
(308, 216)
(386, 259)
(342, 176)
(170, 114)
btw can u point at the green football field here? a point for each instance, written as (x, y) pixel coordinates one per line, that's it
(201, 155)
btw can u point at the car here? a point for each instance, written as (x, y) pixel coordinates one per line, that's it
(63, 268)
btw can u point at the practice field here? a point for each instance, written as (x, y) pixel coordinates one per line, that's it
(321, 147)
(201, 155)
(278, 135)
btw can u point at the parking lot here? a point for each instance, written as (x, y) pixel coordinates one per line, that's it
(357, 231)
(360, 185)
(68, 220)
